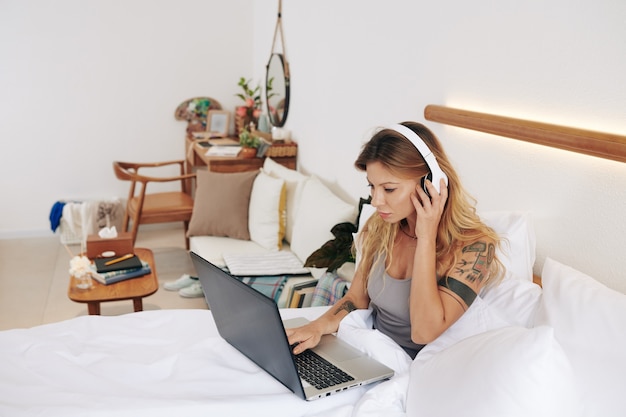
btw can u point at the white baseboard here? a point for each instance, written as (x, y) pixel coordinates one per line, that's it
(27, 234)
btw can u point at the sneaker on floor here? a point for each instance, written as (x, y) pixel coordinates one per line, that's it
(192, 291)
(184, 281)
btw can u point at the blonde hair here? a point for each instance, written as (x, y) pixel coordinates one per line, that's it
(459, 224)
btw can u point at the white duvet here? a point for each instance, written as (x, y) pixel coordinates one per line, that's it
(172, 362)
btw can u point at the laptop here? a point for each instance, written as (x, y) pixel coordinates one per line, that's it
(251, 322)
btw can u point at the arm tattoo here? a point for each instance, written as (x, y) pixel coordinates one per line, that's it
(347, 305)
(464, 292)
(475, 261)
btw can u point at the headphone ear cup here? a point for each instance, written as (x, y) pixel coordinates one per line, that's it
(428, 177)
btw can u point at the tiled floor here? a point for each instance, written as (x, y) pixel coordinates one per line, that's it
(34, 278)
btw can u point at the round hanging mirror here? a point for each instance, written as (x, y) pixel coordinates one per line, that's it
(277, 89)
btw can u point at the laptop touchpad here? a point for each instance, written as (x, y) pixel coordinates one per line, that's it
(331, 347)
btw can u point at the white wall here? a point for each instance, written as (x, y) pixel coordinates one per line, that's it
(83, 83)
(361, 64)
(356, 65)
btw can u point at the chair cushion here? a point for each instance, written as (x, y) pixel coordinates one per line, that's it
(221, 204)
(166, 204)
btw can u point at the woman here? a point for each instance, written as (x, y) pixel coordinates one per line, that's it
(424, 255)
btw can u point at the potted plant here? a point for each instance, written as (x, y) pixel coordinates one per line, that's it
(251, 110)
(249, 143)
(336, 252)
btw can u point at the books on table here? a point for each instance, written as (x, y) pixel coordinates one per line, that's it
(129, 261)
(223, 150)
(112, 277)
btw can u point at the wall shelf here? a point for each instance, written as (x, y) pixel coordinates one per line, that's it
(603, 145)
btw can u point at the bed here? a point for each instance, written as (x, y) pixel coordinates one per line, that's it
(523, 349)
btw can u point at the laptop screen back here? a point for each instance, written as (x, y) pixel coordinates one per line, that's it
(250, 322)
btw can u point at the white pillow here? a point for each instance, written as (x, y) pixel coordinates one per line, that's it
(589, 321)
(478, 318)
(516, 298)
(319, 211)
(518, 247)
(367, 211)
(510, 372)
(266, 216)
(294, 182)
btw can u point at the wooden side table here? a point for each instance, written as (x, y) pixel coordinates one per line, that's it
(131, 289)
(196, 156)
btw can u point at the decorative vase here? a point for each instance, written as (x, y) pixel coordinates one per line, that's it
(80, 269)
(243, 122)
(248, 153)
(83, 282)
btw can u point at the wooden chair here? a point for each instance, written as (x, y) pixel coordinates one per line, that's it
(159, 207)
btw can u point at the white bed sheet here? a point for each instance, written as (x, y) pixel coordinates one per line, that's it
(156, 363)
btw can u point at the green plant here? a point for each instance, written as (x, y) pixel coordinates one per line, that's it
(337, 251)
(251, 97)
(270, 87)
(248, 140)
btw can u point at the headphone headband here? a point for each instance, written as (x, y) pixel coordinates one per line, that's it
(436, 173)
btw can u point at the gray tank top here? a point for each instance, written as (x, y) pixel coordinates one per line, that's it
(389, 300)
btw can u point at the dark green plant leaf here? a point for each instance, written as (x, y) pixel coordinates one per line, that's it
(337, 251)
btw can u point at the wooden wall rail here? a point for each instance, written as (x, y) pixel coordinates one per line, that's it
(603, 145)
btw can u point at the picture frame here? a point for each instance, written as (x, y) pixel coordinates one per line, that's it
(218, 123)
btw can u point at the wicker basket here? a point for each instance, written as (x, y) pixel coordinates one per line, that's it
(68, 237)
(282, 150)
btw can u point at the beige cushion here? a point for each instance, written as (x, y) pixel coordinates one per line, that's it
(266, 219)
(221, 204)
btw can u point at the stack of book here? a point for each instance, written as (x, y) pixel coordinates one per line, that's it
(110, 270)
(301, 294)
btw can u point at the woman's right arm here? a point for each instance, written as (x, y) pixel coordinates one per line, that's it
(310, 334)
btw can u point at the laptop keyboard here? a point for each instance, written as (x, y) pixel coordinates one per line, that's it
(318, 372)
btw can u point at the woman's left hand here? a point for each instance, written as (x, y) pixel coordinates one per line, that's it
(429, 209)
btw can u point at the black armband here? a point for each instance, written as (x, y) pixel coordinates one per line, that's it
(462, 290)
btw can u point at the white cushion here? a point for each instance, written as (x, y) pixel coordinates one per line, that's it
(478, 318)
(516, 298)
(518, 247)
(294, 182)
(589, 321)
(512, 371)
(367, 211)
(319, 211)
(212, 248)
(266, 217)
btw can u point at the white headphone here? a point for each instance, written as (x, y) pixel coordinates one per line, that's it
(435, 174)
